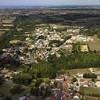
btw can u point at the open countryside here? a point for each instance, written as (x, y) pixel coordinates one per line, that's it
(50, 53)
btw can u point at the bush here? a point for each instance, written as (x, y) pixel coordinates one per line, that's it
(90, 75)
(38, 82)
(1, 80)
(17, 89)
(22, 78)
(74, 79)
(7, 98)
(46, 80)
(62, 71)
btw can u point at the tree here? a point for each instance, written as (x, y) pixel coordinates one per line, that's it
(74, 79)
(62, 71)
(22, 78)
(7, 98)
(90, 75)
(1, 80)
(17, 89)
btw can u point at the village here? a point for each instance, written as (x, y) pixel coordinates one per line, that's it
(68, 86)
(46, 59)
(45, 41)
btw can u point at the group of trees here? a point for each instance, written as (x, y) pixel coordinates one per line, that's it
(91, 31)
(23, 78)
(33, 77)
(56, 66)
(35, 74)
(2, 80)
(90, 75)
(17, 89)
(75, 60)
(36, 71)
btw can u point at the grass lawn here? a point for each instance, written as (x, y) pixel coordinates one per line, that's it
(90, 91)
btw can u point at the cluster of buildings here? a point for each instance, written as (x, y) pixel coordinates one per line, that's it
(44, 41)
(16, 55)
(63, 87)
(80, 39)
(70, 86)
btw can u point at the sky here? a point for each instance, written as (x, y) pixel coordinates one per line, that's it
(48, 2)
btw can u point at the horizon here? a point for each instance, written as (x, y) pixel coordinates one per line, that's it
(11, 6)
(49, 2)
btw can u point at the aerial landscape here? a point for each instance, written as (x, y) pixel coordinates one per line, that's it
(50, 50)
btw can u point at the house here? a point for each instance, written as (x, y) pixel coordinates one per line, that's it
(14, 41)
(97, 84)
(77, 30)
(84, 48)
(98, 74)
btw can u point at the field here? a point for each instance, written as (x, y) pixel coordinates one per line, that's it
(82, 70)
(95, 45)
(90, 93)
(90, 98)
